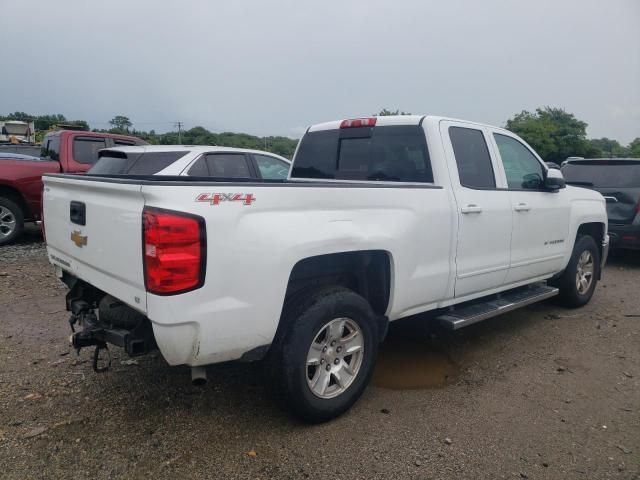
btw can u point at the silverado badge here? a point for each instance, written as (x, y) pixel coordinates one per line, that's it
(79, 240)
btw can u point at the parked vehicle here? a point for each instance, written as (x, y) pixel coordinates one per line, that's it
(618, 180)
(381, 218)
(21, 178)
(199, 161)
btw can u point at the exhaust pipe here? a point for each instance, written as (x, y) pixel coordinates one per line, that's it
(198, 376)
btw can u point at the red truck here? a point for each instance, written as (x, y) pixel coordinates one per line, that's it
(65, 151)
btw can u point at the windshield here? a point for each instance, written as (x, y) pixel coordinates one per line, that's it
(603, 174)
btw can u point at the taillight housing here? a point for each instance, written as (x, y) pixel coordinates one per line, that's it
(359, 122)
(174, 251)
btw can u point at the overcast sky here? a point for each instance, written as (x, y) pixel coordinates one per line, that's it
(274, 67)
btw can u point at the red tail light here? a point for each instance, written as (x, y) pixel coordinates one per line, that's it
(174, 251)
(359, 122)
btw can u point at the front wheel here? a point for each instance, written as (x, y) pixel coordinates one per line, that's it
(325, 355)
(578, 282)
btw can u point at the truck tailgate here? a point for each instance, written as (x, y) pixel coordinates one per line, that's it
(94, 231)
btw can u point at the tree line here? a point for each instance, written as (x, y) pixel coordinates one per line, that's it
(554, 133)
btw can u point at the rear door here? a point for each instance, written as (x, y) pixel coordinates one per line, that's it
(94, 231)
(484, 211)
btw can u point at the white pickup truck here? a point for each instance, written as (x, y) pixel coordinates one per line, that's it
(381, 218)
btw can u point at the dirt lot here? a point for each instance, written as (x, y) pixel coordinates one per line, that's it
(539, 393)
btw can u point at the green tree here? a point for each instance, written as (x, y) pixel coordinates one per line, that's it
(608, 147)
(120, 123)
(634, 148)
(385, 113)
(554, 133)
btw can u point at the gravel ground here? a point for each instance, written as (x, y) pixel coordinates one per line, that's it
(538, 393)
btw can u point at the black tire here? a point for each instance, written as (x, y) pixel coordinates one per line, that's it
(303, 319)
(570, 296)
(6, 236)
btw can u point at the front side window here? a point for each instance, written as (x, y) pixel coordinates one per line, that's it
(229, 165)
(523, 170)
(472, 158)
(271, 168)
(85, 149)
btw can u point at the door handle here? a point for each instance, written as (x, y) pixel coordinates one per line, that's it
(522, 207)
(471, 208)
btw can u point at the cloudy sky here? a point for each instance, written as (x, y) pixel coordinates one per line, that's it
(274, 67)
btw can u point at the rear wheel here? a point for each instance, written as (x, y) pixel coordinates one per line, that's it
(11, 221)
(578, 281)
(324, 358)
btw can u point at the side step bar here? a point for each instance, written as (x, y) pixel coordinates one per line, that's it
(464, 315)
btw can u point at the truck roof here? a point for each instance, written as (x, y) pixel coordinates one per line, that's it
(86, 133)
(395, 120)
(187, 148)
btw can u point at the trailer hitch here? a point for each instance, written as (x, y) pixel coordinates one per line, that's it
(90, 335)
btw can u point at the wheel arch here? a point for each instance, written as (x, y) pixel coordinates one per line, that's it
(593, 229)
(14, 195)
(366, 272)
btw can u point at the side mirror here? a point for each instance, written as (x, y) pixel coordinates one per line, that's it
(554, 180)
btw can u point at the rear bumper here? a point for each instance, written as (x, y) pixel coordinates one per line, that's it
(625, 236)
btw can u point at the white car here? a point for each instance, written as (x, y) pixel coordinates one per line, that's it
(380, 218)
(191, 160)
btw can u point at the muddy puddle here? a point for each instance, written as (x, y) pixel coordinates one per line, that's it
(409, 360)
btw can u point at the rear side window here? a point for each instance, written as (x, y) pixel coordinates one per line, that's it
(134, 163)
(229, 165)
(51, 148)
(390, 153)
(85, 149)
(603, 173)
(472, 158)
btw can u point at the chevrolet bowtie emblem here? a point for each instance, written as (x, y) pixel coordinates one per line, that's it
(79, 240)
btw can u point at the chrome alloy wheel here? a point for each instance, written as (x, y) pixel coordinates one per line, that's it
(7, 222)
(335, 357)
(584, 272)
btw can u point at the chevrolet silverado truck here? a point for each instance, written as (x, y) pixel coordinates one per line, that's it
(380, 218)
(68, 151)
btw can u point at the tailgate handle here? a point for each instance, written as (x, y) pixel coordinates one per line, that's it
(78, 213)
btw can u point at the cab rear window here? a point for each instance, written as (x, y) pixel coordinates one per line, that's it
(395, 153)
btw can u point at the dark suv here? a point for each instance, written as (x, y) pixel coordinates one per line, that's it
(618, 180)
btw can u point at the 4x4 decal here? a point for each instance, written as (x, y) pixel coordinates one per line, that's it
(217, 198)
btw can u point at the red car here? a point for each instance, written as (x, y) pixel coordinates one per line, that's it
(66, 151)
